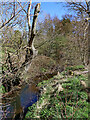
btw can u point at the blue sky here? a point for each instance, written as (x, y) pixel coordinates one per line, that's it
(54, 9)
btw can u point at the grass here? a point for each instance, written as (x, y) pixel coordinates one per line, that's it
(78, 67)
(2, 89)
(67, 104)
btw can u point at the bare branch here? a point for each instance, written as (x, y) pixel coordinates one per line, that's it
(14, 8)
(28, 16)
(22, 7)
(79, 6)
(14, 15)
(87, 5)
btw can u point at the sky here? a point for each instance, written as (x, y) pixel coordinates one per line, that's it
(54, 9)
(45, 0)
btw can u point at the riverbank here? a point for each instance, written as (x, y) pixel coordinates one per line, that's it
(62, 97)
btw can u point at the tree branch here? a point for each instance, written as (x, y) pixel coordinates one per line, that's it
(6, 22)
(33, 30)
(22, 7)
(28, 16)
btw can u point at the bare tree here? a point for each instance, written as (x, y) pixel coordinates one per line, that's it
(79, 7)
(9, 11)
(82, 10)
(31, 52)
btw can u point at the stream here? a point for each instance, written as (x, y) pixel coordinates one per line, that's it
(17, 105)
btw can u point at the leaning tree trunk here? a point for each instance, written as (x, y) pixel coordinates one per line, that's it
(31, 52)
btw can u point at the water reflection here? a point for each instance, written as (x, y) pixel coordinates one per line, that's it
(14, 105)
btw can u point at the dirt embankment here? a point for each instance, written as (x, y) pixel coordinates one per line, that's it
(41, 68)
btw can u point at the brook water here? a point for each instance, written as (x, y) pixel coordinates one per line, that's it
(16, 105)
(13, 106)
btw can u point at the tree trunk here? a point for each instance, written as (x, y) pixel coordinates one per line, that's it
(31, 52)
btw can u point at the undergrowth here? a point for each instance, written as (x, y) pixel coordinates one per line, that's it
(67, 104)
